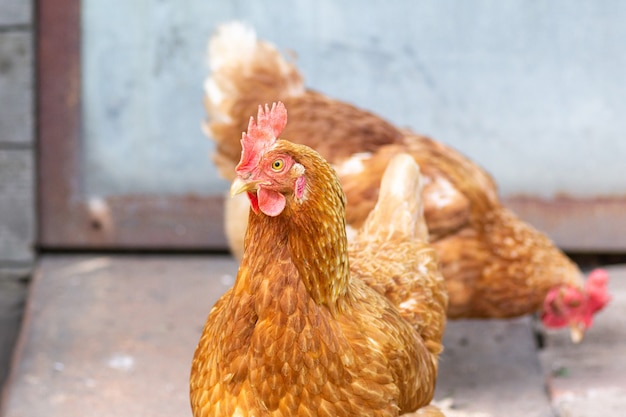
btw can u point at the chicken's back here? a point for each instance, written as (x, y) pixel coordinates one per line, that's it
(518, 266)
(462, 181)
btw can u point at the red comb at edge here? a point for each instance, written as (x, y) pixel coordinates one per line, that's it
(261, 134)
(596, 288)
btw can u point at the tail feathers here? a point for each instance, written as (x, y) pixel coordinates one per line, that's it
(399, 211)
(231, 49)
(233, 44)
(244, 72)
(242, 66)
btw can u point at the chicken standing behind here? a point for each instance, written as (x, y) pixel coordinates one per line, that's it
(495, 265)
(306, 329)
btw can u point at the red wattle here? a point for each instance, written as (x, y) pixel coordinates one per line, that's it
(271, 202)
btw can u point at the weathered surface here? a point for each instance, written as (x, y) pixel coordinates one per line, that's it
(590, 379)
(13, 284)
(15, 12)
(113, 336)
(490, 368)
(16, 87)
(17, 205)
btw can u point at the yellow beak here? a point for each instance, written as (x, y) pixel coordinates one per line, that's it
(239, 186)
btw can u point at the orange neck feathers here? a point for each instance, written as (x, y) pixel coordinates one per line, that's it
(309, 234)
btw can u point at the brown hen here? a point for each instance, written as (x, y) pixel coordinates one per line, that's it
(307, 329)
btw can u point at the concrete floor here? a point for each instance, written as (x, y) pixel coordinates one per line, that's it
(13, 289)
(114, 336)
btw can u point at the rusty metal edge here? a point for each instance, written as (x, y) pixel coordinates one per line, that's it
(144, 222)
(67, 221)
(58, 113)
(151, 222)
(576, 224)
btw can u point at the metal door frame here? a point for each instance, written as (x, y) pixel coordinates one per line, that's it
(67, 219)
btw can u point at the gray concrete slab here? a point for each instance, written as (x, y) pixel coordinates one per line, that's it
(114, 336)
(490, 368)
(13, 286)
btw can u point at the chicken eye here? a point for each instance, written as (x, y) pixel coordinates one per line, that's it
(278, 165)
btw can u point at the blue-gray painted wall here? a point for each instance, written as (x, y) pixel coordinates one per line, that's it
(535, 91)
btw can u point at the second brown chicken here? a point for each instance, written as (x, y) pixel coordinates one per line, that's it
(495, 265)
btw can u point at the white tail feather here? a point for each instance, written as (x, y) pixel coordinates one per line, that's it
(232, 44)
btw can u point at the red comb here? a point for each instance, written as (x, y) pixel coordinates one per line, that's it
(596, 288)
(261, 134)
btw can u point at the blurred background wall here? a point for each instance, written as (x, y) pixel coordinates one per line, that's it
(17, 167)
(533, 91)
